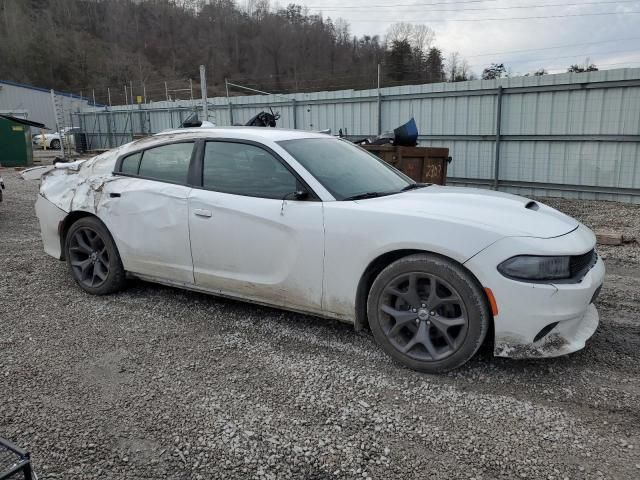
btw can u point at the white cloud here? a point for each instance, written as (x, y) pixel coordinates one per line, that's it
(617, 36)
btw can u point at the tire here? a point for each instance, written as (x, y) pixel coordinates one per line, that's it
(93, 257)
(428, 313)
(55, 144)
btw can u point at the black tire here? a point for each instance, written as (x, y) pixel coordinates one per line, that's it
(93, 257)
(454, 316)
(55, 144)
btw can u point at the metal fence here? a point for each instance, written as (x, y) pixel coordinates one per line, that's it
(571, 135)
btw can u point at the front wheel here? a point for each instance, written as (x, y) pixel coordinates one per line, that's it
(428, 313)
(55, 144)
(93, 257)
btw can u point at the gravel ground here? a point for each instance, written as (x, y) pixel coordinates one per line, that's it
(157, 382)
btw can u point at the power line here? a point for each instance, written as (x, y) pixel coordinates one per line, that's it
(631, 12)
(566, 56)
(410, 4)
(512, 7)
(371, 75)
(554, 67)
(552, 48)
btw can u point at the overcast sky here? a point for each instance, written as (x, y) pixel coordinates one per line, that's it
(579, 29)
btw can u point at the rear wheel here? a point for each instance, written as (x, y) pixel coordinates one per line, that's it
(93, 257)
(428, 313)
(55, 144)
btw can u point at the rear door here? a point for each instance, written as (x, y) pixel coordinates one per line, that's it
(147, 211)
(247, 240)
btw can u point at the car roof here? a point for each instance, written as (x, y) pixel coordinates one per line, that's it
(256, 134)
(247, 133)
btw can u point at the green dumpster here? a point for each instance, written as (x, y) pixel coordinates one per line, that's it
(16, 149)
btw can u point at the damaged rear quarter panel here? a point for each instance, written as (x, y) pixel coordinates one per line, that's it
(78, 185)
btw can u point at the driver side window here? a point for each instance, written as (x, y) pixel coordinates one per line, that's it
(243, 169)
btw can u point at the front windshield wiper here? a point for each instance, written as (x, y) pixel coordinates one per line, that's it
(361, 196)
(413, 186)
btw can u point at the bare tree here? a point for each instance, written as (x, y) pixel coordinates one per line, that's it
(452, 66)
(399, 32)
(422, 37)
(418, 35)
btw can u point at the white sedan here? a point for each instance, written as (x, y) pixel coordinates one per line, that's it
(315, 224)
(47, 140)
(52, 140)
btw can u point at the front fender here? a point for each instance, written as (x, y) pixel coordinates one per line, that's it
(355, 238)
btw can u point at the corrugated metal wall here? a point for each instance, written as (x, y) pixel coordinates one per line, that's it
(575, 135)
(35, 104)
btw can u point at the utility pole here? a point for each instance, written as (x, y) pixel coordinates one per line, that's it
(226, 86)
(109, 120)
(58, 122)
(379, 101)
(203, 89)
(496, 173)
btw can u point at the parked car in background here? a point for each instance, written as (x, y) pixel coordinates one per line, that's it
(47, 140)
(51, 140)
(315, 224)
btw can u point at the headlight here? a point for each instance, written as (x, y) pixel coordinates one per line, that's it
(528, 267)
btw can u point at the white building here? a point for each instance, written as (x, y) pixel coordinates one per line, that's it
(34, 103)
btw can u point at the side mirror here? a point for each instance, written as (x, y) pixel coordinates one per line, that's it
(301, 195)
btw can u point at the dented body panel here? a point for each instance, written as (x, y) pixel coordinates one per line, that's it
(50, 217)
(526, 308)
(310, 256)
(152, 221)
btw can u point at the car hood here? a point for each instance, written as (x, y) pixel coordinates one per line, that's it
(502, 213)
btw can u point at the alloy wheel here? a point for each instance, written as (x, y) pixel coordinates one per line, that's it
(426, 318)
(89, 257)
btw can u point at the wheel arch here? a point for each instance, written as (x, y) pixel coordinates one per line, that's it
(69, 220)
(384, 260)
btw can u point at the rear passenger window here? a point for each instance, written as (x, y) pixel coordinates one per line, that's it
(169, 163)
(131, 164)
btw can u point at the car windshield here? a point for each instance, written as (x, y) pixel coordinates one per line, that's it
(348, 172)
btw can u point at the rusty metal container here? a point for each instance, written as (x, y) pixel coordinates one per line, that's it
(422, 164)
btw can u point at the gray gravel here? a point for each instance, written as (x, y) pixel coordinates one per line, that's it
(157, 382)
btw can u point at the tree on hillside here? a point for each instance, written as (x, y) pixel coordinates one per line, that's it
(494, 71)
(458, 69)
(579, 68)
(419, 36)
(434, 66)
(407, 57)
(81, 45)
(399, 60)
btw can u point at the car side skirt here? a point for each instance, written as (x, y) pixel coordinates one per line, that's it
(243, 298)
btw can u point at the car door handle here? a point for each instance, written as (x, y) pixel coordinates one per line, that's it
(114, 195)
(202, 213)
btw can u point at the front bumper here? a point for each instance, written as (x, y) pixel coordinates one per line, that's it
(540, 320)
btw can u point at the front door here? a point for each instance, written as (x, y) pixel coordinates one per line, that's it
(247, 241)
